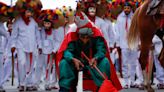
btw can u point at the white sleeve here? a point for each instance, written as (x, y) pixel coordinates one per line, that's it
(3, 32)
(56, 41)
(38, 36)
(14, 34)
(117, 30)
(112, 35)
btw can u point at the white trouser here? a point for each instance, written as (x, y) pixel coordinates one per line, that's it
(159, 70)
(25, 71)
(51, 79)
(8, 68)
(139, 74)
(113, 57)
(129, 62)
(43, 68)
(40, 68)
(1, 69)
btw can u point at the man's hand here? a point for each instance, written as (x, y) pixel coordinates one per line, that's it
(40, 51)
(111, 49)
(93, 62)
(53, 54)
(13, 49)
(77, 63)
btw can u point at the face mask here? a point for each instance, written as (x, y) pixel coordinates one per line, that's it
(92, 11)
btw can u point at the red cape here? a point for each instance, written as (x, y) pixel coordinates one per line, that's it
(72, 36)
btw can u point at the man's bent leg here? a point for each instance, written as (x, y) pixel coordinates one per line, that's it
(104, 67)
(67, 75)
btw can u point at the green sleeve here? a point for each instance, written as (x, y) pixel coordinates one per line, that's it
(68, 53)
(100, 48)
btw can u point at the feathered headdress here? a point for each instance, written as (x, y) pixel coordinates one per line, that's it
(6, 12)
(47, 15)
(22, 5)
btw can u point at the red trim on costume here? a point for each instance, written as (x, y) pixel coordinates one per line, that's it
(126, 24)
(162, 22)
(47, 68)
(31, 58)
(26, 20)
(93, 19)
(48, 31)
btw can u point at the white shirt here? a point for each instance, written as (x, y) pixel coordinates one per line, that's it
(8, 42)
(3, 32)
(110, 33)
(47, 42)
(24, 36)
(121, 30)
(3, 35)
(101, 24)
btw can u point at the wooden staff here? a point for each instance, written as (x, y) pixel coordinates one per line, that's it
(103, 76)
(12, 80)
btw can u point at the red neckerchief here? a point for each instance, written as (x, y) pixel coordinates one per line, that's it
(10, 31)
(26, 20)
(48, 31)
(92, 18)
(162, 22)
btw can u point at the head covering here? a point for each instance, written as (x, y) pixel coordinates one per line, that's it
(47, 16)
(90, 3)
(85, 31)
(127, 4)
(5, 12)
(3, 8)
(67, 11)
(81, 19)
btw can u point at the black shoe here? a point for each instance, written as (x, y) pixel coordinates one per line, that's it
(32, 88)
(53, 88)
(2, 90)
(21, 88)
(47, 88)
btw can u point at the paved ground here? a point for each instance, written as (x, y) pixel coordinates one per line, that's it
(9, 88)
(128, 90)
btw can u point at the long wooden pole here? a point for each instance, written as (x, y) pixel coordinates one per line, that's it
(12, 81)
